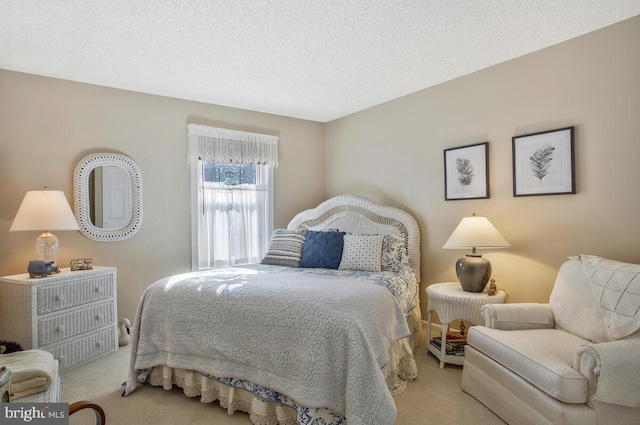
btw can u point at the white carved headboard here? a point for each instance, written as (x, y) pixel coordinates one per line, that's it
(356, 214)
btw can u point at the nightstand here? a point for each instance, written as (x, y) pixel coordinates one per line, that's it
(70, 314)
(451, 302)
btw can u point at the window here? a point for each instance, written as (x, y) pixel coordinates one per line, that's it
(232, 196)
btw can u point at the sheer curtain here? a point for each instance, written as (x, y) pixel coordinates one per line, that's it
(234, 223)
(231, 223)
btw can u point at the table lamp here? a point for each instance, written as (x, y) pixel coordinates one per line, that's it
(474, 232)
(45, 210)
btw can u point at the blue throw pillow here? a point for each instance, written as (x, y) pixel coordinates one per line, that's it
(322, 250)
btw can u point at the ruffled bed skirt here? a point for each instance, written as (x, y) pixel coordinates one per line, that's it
(267, 407)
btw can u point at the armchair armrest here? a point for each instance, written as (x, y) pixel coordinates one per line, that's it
(518, 316)
(612, 371)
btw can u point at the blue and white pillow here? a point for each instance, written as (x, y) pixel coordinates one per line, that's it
(394, 252)
(362, 252)
(285, 248)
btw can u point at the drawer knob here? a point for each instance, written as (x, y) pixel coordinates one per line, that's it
(98, 288)
(100, 344)
(99, 316)
(60, 297)
(60, 328)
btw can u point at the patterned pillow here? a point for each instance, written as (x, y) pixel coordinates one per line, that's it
(322, 249)
(394, 252)
(362, 252)
(285, 248)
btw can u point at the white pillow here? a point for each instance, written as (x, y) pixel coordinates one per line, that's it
(361, 252)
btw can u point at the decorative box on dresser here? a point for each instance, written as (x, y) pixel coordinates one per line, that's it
(72, 314)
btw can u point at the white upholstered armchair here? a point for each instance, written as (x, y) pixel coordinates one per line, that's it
(575, 360)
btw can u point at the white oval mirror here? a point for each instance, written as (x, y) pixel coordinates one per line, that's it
(108, 196)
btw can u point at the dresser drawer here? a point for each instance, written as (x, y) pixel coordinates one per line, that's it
(84, 348)
(75, 322)
(73, 292)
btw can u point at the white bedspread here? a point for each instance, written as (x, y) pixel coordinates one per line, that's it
(322, 339)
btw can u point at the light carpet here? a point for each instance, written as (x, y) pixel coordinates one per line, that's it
(434, 398)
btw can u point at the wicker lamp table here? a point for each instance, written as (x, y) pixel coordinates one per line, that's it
(451, 302)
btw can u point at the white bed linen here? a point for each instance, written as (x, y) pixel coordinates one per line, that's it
(338, 345)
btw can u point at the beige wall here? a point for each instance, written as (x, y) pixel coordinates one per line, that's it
(48, 125)
(393, 153)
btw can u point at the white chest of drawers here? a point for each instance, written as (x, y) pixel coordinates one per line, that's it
(70, 314)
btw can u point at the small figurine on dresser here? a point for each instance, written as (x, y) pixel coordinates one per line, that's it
(39, 268)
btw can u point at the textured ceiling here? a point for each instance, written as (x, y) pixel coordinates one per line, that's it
(311, 59)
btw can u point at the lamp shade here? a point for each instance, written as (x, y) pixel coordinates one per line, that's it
(44, 210)
(475, 232)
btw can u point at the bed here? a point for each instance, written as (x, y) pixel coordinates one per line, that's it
(312, 344)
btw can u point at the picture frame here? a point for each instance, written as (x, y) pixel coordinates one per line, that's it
(466, 172)
(544, 163)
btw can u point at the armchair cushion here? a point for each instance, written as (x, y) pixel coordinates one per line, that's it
(518, 316)
(543, 357)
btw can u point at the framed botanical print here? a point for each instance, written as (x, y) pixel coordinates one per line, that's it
(466, 172)
(543, 163)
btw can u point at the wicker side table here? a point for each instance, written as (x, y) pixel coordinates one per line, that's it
(451, 302)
